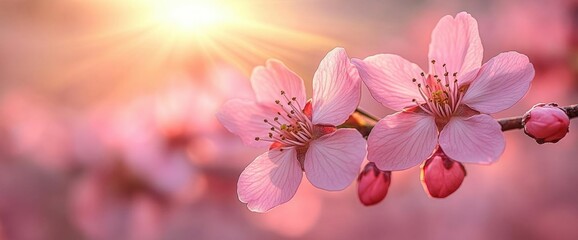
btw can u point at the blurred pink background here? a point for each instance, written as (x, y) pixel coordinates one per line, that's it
(108, 131)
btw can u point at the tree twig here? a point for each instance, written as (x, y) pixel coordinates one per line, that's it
(366, 114)
(510, 123)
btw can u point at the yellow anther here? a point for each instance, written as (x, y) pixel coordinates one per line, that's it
(440, 96)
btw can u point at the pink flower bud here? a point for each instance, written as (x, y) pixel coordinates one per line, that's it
(440, 175)
(372, 184)
(546, 123)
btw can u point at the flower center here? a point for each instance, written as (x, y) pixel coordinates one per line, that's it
(290, 127)
(441, 95)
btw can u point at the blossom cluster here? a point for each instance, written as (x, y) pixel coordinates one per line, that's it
(442, 119)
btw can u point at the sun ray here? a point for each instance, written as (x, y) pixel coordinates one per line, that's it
(229, 22)
(156, 37)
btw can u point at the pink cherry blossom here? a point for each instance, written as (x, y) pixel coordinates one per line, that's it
(449, 104)
(301, 136)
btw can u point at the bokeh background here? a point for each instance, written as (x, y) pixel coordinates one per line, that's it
(107, 127)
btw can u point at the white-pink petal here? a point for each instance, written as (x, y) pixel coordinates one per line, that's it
(477, 139)
(332, 162)
(270, 180)
(456, 42)
(245, 118)
(402, 140)
(500, 83)
(336, 89)
(268, 81)
(389, 79)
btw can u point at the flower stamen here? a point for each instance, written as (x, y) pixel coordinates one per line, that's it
(440, 97)
(290, 127)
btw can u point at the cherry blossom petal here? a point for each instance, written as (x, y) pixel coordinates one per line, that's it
(500, 83)
(332, 162)
(467, 78)
(389, 79)
(402, 140)
(456, 42)
(268, 81)
(336, 89)
(245, 118)
(270, 180)
(477, 139)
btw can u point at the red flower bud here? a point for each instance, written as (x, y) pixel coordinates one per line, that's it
(546, 123)
(372, 184)
(440, 175)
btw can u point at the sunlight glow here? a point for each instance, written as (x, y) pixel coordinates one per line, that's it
(149, 38)
(193, 16)
(222, 30)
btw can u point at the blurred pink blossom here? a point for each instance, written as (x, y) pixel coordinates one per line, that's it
(450, 104)
(125, 193)
(184, 113)
(302, 136)
(141, 157)
(112, 203)
(35, 129)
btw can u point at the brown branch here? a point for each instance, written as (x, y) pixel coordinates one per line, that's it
(510, 123)
(366, 114)
(571, 110)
